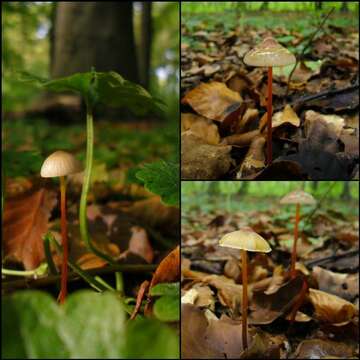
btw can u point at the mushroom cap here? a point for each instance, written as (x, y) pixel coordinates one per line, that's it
(298, 197)
(269, 53)
(60, 163)
(245, 239)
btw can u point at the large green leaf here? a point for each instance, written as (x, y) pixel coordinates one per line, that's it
(167, 308)
(170, 289)
(150, 339)
(89, 325)
(161, 178)
(108, 88)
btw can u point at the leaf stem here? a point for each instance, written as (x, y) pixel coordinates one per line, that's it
(86, 186)
(47, 238)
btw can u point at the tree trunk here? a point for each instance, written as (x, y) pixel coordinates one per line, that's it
(145, 44)
(344, 7)
(94, 34)
(346, 195)
(244, 188)
(264, 5)
(318, 5)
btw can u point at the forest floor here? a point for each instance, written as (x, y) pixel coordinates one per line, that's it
(126, 221)
(315, 118)
(326, 323)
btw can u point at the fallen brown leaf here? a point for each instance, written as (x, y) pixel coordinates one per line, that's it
(25, 221)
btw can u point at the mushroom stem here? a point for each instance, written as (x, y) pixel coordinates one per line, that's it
(64, 267)
(245, 298)
(296, 235)
(269, 117)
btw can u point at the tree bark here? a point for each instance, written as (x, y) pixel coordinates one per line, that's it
(94, 34)
(344, 7)
(318, 5)
(145, 43)
(264, 5)
(346, 195)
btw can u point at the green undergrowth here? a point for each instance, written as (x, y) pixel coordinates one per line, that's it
(89, 325)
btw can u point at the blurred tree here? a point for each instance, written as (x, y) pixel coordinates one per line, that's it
(98, 34)
(344, 7)
(145, 43)
(318, 5)
(345, 194)
(264, 5)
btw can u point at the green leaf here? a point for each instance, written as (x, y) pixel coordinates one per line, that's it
(170, 289)
(89, 325)
(167, 308)
(161, 178)
(151, 339)
(108, 88)
(27, 327)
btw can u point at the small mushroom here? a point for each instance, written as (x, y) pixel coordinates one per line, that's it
(269, 53)
(298, 198)
(60, 164)
(245, 240)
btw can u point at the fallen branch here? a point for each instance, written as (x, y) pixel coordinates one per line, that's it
(311, 263)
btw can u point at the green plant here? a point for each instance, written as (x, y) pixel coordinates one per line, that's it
(108, 88)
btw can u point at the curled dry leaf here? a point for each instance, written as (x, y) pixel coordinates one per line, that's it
(213, 100)
(254, 160)
(201, 127)
(25, 222)
(268, 307)
(335, 122)
(287, 116)
(168, 269)
(331, 308)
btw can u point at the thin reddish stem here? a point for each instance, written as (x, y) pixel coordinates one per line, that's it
(296, 236)
(245, 298)
(269, 117)
(64, 267)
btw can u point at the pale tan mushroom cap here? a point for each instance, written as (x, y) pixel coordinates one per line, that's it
(298, 197)
(246, 240)
(269, 53)
(60, 163)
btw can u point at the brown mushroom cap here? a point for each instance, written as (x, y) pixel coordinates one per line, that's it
(269, 53)
(60, 163)
(298, 197)
(245, 239)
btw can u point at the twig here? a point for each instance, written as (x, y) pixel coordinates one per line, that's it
(298, 58)
(324, 93)
(49, 280)
(311, 263)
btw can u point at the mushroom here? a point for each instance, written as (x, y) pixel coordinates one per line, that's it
(245, 240)
(296, 197)
(60, 164)
(269, 53)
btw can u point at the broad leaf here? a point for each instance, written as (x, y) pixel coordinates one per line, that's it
(161, 178)
(108, 88)
(170, 289)
(150, 339)
(167, 308)
(90, 325)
